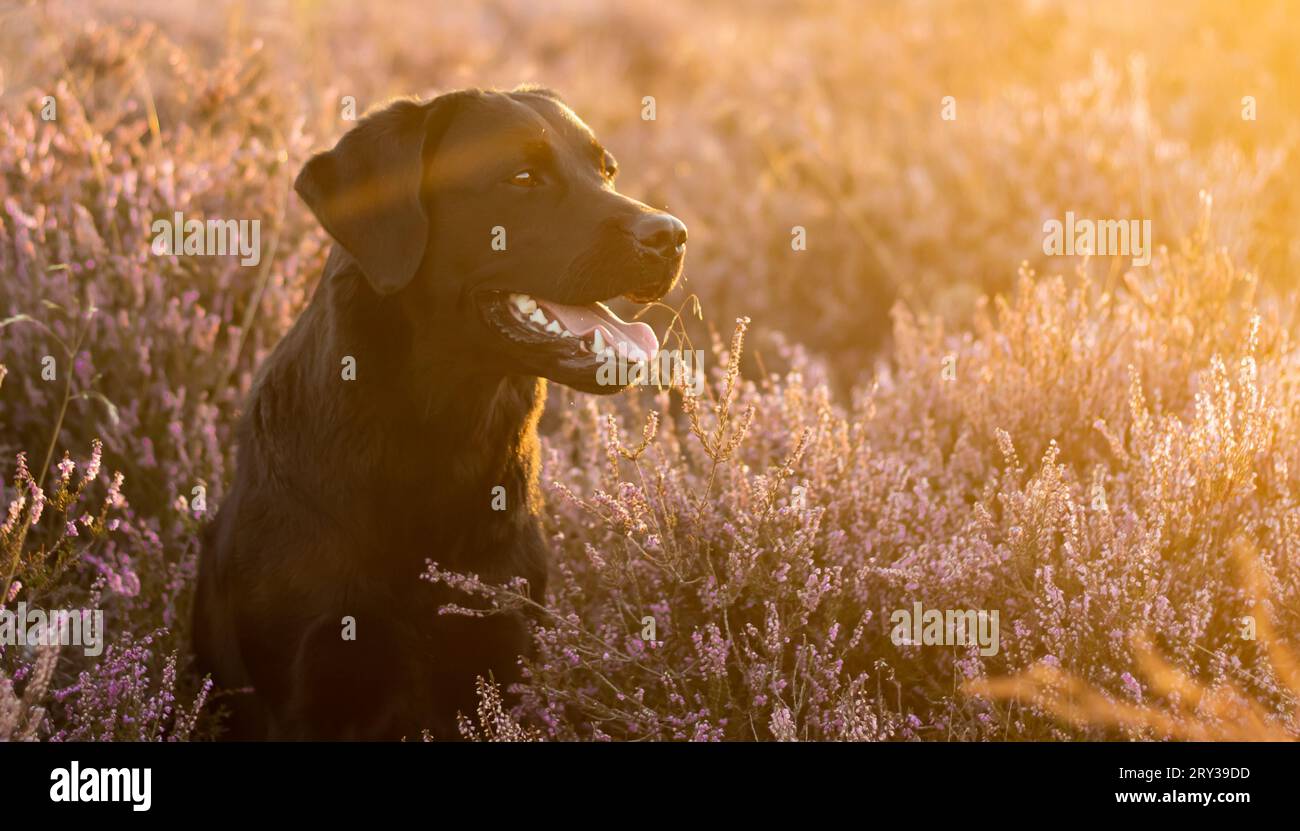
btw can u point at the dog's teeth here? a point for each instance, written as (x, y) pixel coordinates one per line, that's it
(524, 303)
(607, 352)
(538, 317)
(598, 344)
(566, 334)
(554, 327)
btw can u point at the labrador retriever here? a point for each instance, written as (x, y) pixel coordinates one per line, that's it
(475, 236)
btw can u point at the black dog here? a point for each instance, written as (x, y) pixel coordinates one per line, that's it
(475, 235)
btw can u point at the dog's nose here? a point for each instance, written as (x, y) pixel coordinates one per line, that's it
(662, 233)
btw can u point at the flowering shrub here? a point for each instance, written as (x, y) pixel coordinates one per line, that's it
(1182, 707)
(44, 540)
(1080, 452)
(769, 575)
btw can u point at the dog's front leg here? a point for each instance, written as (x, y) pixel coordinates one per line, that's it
(351, 678)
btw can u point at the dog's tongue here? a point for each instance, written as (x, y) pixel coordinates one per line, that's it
(618, 333)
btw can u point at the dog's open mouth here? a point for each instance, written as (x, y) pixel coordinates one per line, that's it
(593, 330)
(568, 342)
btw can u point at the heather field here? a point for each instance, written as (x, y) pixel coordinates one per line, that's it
(910, 404)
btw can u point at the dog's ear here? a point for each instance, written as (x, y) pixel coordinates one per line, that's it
(366, 192)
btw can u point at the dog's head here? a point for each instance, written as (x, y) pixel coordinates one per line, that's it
(492, 220)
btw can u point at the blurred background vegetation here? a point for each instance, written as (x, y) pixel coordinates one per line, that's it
(821, 114)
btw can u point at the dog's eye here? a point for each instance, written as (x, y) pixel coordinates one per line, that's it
(526, 179)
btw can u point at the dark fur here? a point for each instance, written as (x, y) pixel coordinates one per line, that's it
(343, 489)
